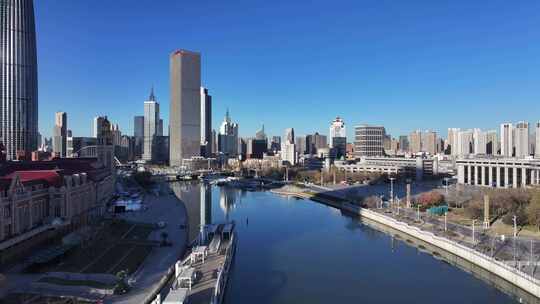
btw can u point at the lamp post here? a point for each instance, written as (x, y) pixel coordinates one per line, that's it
(473, 237)
(392, 190)
(446, 183)
(445, 225)
(515, 225)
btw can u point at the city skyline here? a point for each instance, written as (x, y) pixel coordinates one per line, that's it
(457, 70)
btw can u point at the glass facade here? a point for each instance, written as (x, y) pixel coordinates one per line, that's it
(18, 75)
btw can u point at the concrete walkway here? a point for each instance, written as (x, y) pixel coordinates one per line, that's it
(167, 208)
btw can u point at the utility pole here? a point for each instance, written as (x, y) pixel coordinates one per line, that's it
(473, 237)
(445, 226)
(392, 190)
(531, 260)
(418, 212)
(515, 226)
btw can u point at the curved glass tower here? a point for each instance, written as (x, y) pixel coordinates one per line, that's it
(18, 77)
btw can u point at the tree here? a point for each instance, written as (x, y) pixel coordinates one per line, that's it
(371, 202)
(430, 199)
(533, 210)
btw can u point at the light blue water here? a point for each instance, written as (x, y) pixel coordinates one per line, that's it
(298, 251)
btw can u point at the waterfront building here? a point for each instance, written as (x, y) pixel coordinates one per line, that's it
(185, 106)
(18, 78)
(499, 172)
(206, 123)
(151, 127)
(138, 133)
(369, 140)
(161, 156)
(521, 139)
(417, 167)
(228, 137)
(507, 140)
(288, 147)
(60, 134)
(214, 142)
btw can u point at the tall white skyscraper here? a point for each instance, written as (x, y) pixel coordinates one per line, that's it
(453, 140)
(337, 129)
(492, 142)
(479, 141)
(507, 139)
(288, 147)
(521, 139)
(465, 142)
(151, 126)
(338, 137)
(228, 137)
(185, 106)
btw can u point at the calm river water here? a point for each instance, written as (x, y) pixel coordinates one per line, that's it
(298, 251)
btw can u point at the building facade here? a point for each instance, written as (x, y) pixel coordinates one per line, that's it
(289, 154)
(521, 139)
(151, 127)
(138, 134)
(499, 172)
(206, 123)
(185, 106)
(507, 140)
(369, 141)
(18, 78)
(60, 134)
(228, 137)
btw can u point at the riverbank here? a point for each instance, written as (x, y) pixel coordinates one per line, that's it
(499, 268)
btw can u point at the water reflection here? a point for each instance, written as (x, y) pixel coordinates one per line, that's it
(298, 251)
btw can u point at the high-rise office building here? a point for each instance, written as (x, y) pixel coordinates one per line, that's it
(228, 137)
(415, 141)
(479, 142)
(18, 78)
(429, 142)
(492, 142)
(138, 134)
(185, 106)
(507, 139)
(97, 124)
(206, 123)
(369, 140)
(521, 139)
(288, 147)
(151, 126)
(537, 142)
(452, 141)
(60, 134)
(464, 143)
(404, 143)
(338, 137)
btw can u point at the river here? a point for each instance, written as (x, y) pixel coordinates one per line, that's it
(299, 251)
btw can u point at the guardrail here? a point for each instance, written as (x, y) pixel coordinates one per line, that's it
(516, 277)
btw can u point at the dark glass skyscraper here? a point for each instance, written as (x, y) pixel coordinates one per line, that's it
(18, 77)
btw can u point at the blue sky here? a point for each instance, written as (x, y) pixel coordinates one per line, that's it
(403, 64)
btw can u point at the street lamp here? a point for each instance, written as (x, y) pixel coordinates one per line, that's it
(392, 190)
(445, 226)
(446, 182)
(473, 237)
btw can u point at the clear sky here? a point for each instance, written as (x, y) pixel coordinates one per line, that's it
(403, 64)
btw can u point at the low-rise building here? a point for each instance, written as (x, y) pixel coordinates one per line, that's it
(416, 168)
(499, 172)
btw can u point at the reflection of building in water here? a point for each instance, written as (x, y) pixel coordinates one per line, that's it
(190, 195)
(206, 204)
(227, 198)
